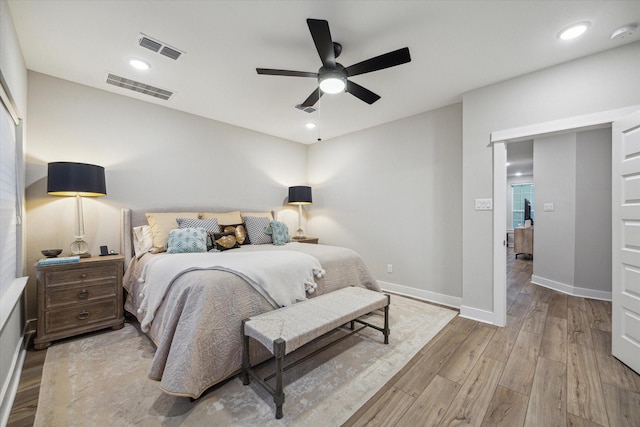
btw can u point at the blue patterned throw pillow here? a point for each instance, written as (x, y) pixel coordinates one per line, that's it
(187, 240)
(279, 232)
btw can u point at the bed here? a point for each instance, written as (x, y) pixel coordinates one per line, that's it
(197, 326)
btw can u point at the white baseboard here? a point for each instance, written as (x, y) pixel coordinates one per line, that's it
(421, 294)
(477, 314)
(570, 289)
(10, 387)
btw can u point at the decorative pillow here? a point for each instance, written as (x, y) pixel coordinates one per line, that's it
(228, 218)
(224, 241)
(255, 227)
(142, 240)
(279, 233)
(258, 214)
(240, 231)
(161, 223)
(210, 225)
(187, 240)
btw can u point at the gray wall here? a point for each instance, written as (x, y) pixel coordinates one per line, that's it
(393, 193)
(573, 243)
(601, 82)
(554, 166)
(593, 210)
(153, 156)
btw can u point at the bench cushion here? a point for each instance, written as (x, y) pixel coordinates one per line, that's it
(305, 321)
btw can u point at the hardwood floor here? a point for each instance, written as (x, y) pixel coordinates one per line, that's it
(550, 366)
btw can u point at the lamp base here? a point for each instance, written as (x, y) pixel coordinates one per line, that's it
(299, 234)
(80, 248)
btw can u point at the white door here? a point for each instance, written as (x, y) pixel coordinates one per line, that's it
(625, 335)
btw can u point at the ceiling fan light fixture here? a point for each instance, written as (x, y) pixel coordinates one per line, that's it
(333, 82)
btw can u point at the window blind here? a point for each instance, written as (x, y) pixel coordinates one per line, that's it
(11, 284)
(8, 241)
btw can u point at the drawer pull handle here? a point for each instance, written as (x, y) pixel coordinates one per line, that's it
(83, 294)
(83, 314)
(83, 276)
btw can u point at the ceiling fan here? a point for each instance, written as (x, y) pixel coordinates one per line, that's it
(332, 76)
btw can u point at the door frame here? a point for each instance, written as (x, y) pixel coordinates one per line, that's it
(499, 140)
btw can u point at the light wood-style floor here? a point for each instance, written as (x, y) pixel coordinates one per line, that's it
(550, 366)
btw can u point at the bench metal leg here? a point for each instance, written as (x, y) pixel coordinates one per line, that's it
(278, 397)
(386, 320)
(245, 356)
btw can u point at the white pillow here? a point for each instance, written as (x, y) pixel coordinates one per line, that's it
(142, 240)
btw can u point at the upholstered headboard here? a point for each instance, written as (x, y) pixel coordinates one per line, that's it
(135, 217)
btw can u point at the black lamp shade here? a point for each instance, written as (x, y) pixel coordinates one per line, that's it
(300, 195)
(70, 179)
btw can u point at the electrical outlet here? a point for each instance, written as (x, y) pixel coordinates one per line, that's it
(389, 268)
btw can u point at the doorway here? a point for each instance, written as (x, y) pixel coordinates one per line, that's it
(499, 142)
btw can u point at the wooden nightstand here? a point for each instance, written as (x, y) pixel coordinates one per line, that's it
(78, 297)
(306, 240)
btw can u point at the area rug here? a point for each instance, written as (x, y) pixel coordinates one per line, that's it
(101, 379)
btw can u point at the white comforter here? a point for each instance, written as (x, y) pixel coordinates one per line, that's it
(282, 277)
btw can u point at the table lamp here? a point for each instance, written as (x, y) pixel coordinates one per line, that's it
(78, 180)
(299, 195)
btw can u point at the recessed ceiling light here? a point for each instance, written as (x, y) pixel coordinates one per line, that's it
(574, 30)
(310, 125)
(139, 64)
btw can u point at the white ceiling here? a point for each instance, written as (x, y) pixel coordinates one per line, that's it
(455, 46)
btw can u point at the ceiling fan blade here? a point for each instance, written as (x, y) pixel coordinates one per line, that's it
(312, 99)
(391, 59)
(362, 93)
(272, 72)
(321, 35)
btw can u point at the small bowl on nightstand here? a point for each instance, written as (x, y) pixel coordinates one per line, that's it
(51, 253)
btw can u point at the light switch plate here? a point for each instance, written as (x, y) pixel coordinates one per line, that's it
(484, 204)
(548, 207)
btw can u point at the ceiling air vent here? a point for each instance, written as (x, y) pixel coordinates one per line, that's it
(159, 47)
(135, 86)
(306, 109)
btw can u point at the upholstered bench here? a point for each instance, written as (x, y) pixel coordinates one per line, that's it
(286, 329)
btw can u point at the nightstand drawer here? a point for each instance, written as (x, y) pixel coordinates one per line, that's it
(79, 275)
(60, 296)
(80, 316)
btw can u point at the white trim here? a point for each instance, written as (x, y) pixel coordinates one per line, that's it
(478, 315)
(421, 294)
(7, 100)
(10, 386)
(11, 298)
(562, 125)
(570, 289)
(499, 317)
